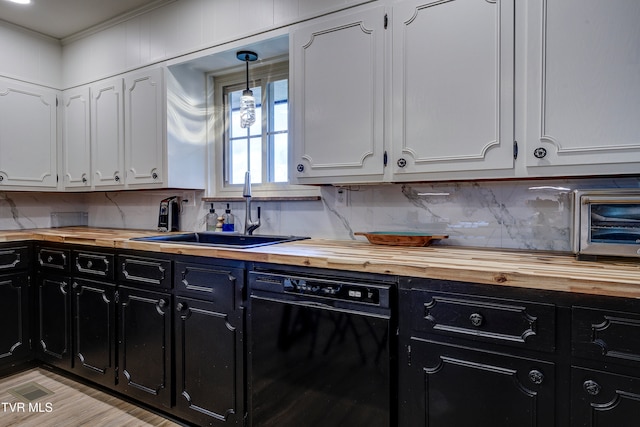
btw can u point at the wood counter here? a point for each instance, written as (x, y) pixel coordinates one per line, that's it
(559, 272)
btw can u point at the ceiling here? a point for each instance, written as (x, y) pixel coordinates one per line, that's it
(63, 18)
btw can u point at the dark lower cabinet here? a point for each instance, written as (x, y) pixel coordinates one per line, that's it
(208, 390)
(603, 399)
(454, 386)
(144, 345)
(53, 311)
(14, 318)
(94, 326)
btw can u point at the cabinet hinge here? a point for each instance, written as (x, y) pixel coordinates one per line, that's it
(515, 150)
(385, 158)
(386, 21)
(408, 355)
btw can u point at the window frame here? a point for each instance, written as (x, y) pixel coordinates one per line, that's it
(217, 82)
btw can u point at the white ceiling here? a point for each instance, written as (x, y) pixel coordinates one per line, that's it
(62, 18)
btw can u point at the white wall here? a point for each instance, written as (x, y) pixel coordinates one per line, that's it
(30, 57)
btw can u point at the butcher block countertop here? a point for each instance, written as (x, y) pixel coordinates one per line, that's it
(538, 270)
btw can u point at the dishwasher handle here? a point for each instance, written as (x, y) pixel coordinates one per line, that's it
(361, 311)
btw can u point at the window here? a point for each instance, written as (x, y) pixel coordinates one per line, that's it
(263, 148)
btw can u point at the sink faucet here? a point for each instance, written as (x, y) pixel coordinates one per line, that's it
(249, 225)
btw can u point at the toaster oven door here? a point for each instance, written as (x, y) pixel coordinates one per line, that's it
(609, 224)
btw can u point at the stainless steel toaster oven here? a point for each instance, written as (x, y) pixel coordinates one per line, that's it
(607, 223)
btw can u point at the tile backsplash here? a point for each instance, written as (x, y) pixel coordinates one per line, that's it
(526, 214)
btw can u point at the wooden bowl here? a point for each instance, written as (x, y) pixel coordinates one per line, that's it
(400, 238)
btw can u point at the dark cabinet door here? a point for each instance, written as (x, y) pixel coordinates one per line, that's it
(452, 386)
(93, 331)
(144, 345)
(14, 318)
(53, 331)
(601, 399)
(209, 374)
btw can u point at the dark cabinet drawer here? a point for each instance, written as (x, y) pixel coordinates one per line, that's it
(151, 272)
(53, 258)
(93, 264)
(209, 282)
(14, 258)
(606, 335)
(502, 321)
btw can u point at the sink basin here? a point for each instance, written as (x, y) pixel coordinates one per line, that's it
(220, 240)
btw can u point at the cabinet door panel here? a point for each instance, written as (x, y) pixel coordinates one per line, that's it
(14, 317)
(144, 352)
(337, 82)
(107, 133)
(603, 399)
(94, 335)
(457, 386)
(208, 369)
(54, 320)
(452, 86)
(76, 138)
(144, 127)
(28, 139)
(584, 91)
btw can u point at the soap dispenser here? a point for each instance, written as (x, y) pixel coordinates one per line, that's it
(229, 220)
(212, 219)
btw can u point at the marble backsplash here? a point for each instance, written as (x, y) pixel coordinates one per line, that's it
(528, 214)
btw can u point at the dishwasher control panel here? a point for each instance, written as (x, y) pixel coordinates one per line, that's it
(335, 290)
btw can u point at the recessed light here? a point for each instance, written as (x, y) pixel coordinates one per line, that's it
(20, 1)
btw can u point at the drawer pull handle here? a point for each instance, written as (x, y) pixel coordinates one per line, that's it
(591, 387)
(476, 319)
(536, 376)
(181, 306)
(162, 303)
(50, 259)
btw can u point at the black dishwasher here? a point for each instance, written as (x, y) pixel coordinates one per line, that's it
(321, 349)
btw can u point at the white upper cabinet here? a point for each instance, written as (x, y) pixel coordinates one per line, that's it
(76, 138)
(107, 133)
(144, 126)
(453, 66)
(28, 139)
(337, 81)
(583, 94)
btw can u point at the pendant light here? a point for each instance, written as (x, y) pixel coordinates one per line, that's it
(247, 101)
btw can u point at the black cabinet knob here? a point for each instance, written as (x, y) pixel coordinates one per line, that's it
(84, 179)
(300, 167)
(540, 152)
(154, 175)
(401, 162)
(117, 178)
(536, 376)
(476, 319)
(591, 387)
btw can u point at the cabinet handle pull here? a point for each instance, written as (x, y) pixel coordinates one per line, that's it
(476, 319)
(84, 180)
(402, 162)
(162, 303)
(300, 167)
(154, 175)
(1, 178)
(117, 178)
(591, 387)
(181, 306)
(540, 153)
(536, 376)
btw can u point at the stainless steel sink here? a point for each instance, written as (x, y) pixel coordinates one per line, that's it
(220, 240)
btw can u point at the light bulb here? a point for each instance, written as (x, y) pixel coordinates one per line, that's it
(247, 109)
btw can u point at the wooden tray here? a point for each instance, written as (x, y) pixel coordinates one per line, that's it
(400, 238)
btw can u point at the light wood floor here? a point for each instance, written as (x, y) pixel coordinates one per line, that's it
(71, 405)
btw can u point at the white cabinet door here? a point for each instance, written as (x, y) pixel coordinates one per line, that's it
(76, 138)
(28, 143)
(144, 126)
(583, 94)
(337, 83)
(453, 65)
(107, 133)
